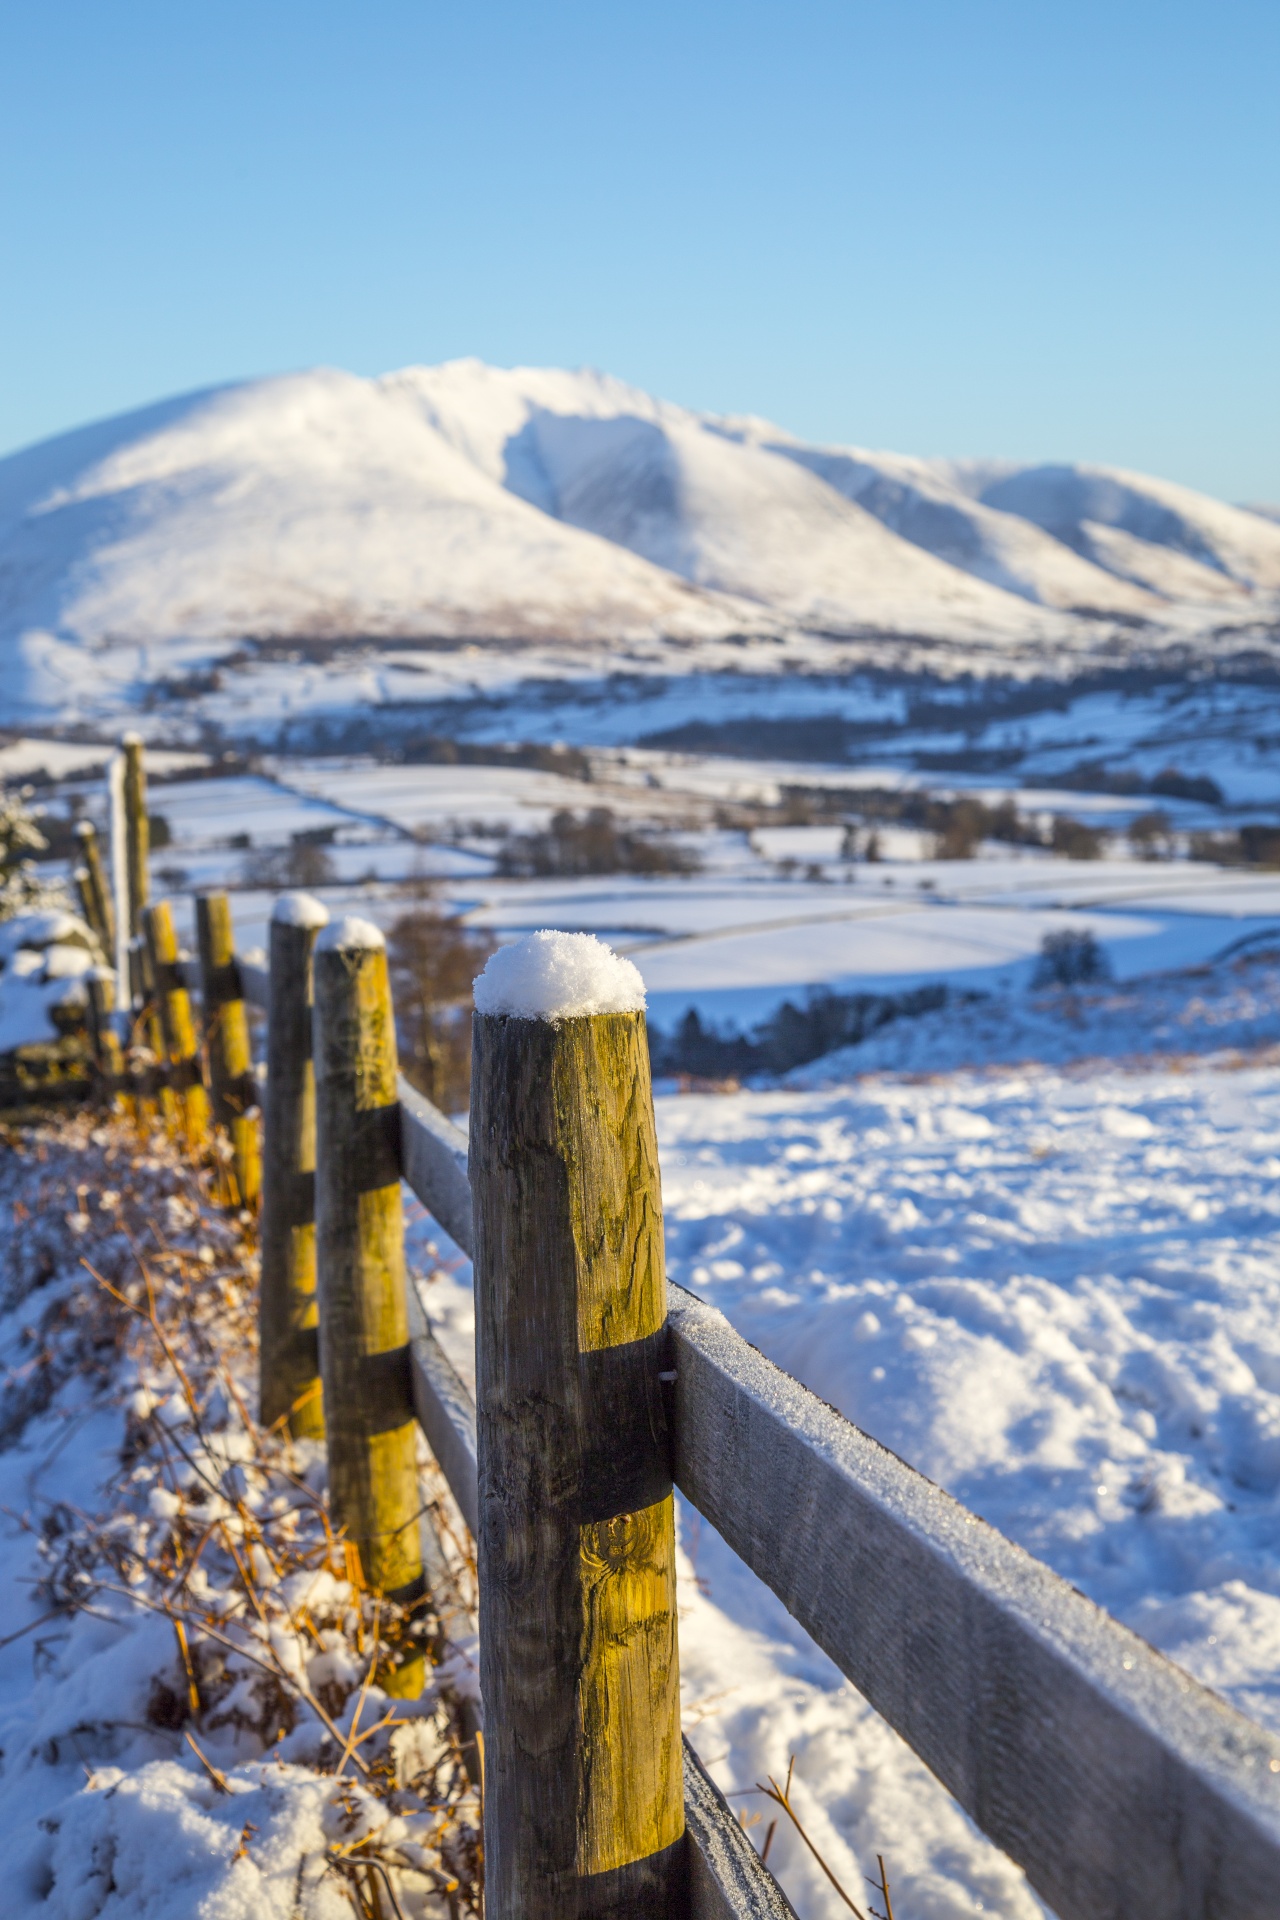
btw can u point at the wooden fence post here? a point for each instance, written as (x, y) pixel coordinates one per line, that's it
(95, 894)
(137, 829)
(108, 1059)
(232, 1084)
(153, 1093)
(364, 1330)
(288, 1346)
(178, 1029)
(578, 1658)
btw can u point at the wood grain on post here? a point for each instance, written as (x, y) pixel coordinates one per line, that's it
(288, 1343)
(137, 829)
(578, 1658)
(232, 1085)
(177, 1027)
(370, 1428)
(95, 894)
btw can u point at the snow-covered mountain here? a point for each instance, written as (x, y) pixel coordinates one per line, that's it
(528, 507)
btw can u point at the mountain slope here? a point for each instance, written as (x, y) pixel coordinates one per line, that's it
(675, 487)
(1085, 507)
(1001, 548)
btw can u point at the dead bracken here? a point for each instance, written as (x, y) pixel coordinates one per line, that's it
(213, 1538)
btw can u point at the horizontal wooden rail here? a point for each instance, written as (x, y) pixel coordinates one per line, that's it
(445, 1409)
(433, 1159)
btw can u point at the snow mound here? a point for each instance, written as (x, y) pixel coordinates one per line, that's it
(350, 932)
(44, 959)
(555, 976)
(300, 910)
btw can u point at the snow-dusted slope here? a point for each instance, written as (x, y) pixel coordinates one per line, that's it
(315, 507)
(1144, 529)
(909, 496)
(720, 512)
(535, 506)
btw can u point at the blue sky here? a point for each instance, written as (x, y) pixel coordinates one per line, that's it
(1031, 229)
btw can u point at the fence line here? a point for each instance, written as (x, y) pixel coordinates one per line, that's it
(1119, 1784)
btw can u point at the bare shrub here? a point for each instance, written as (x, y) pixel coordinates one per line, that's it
(962, 831)
(1076, 840)
(304, 864)
(433, 962)
(592, 843)
(1070, 958)
(1151, 835)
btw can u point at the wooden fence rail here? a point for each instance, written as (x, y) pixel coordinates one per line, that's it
(1124, 1789)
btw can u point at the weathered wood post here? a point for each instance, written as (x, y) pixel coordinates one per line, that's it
(95, 895)
(578, 1659)
(80, 877)
(177, 1027)
(364, 1330)
(137, 829)
(232, 1085)
(288, 1343)
(108, 1059)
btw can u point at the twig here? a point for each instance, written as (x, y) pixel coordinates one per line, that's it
(882, 1886)
(31, 1626)
(193, 1692)
(216, 1774)
(782, 1797)
(349, 1748)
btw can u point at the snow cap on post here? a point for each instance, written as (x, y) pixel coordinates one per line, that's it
(558, 976)
(300, 910)
(350, 932)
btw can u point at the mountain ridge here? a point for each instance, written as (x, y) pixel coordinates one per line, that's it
(529, 507)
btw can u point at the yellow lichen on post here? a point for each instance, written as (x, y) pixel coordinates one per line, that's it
(370, 1429)
(177, 1026)
(137, 829)
(233, 1088)
(579, 1662)
(84, 894)
(631, 1802)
